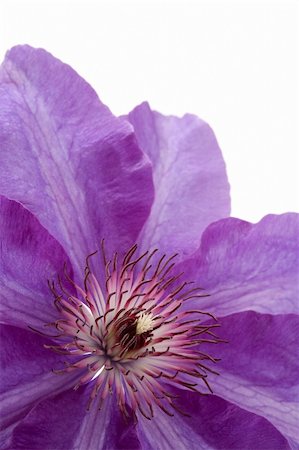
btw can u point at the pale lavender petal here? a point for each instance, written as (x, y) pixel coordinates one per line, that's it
(293, 445)
(259, 367)
(67, 158)
(189, 175)
(29, 257)
(162, 432)
(88, 437)
(248, 266)
(105, 429)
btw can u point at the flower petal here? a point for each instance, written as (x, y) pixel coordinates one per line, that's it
(52, 424)
(23, 360)
(62, 422)
(162, 432)
(248, 266)
(213, 424)
(26, 376)
(224, 425)
(105, 429)
(27, 395)
(57, 421)
(67, 158)
(259, 367)
(29, 256)
(189, 175)
(23, 357)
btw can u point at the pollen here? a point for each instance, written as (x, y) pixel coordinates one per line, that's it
(144, 323)
(133, 330)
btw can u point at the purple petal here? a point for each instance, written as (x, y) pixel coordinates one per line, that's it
(224, 425)
(29, 257)
(248, 266)
(62, 422)
(23, 357)
(67, 158)
(259, 367)
(189, 175)
(213, 424)
(52, 424)
(163, 431)
(115, 434)
(26, 394)
(57, 421)
(26, 376)
(24, 361)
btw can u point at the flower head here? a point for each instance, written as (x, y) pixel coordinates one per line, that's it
(119, 339)
(131, 335)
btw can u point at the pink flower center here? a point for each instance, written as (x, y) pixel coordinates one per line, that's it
(130, 332)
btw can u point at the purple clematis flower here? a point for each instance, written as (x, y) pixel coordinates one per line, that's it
(115, 350)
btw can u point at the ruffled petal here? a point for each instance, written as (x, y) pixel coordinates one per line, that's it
(29, 257)
(259, 367)
(248, 266)
(190, 179)
(64, 156)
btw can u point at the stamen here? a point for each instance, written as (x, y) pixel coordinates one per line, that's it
(133, 335)
(144, 323)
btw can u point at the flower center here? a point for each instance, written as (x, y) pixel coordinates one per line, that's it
(132, 333)
(144, 323)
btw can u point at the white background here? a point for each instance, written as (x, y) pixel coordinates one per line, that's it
(235, 64)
